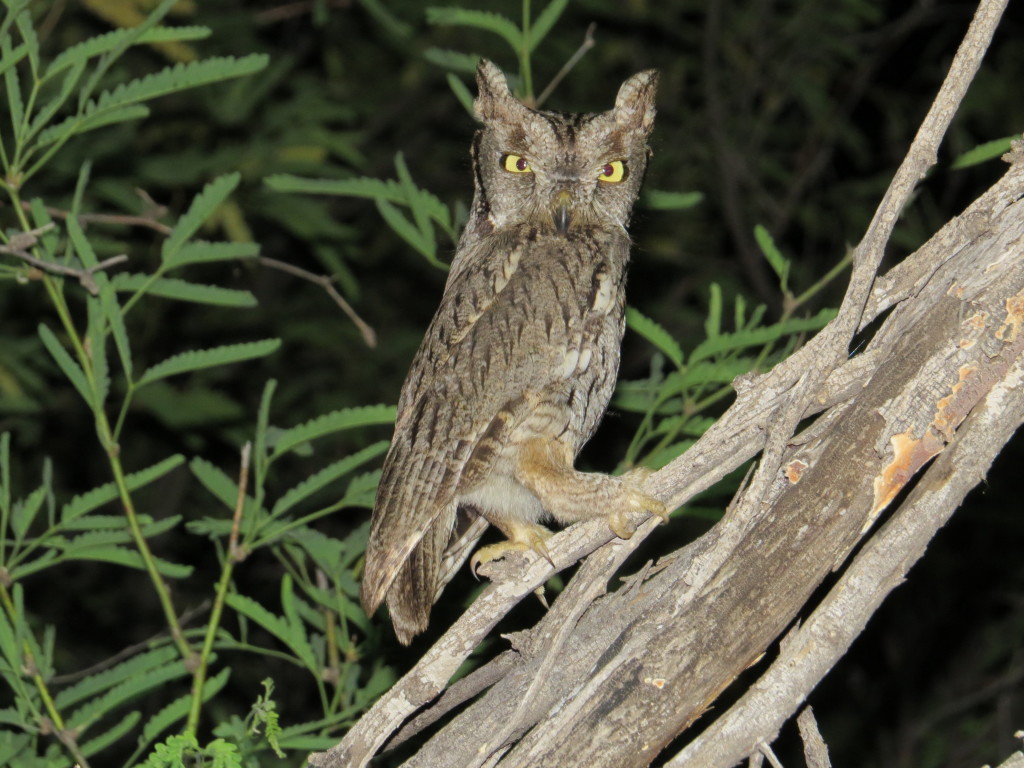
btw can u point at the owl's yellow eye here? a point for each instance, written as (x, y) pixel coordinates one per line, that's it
(614, 171)
(515, 164)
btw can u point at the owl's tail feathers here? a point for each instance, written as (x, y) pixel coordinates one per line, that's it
(411, 584)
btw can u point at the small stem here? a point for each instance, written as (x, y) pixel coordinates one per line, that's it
(586, 45)
(524, 57)
(61, 731)
(233, 555)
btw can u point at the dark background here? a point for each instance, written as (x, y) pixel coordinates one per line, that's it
(793, 115)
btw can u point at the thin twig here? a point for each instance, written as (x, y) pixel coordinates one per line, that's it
(147, 219)
(327, 283)
(85, 276)
(234, 553)
(586, 45)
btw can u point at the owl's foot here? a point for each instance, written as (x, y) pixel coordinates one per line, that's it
(523, 537)
(636, 501)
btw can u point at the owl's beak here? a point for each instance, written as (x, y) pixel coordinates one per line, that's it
(562, 212)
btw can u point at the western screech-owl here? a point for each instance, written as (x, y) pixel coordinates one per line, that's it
(521, 357)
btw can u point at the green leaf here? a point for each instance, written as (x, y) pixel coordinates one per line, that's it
(172, 288)
(11, 56)
(25, 512)
(361, 490)
(129, 558)
(135, 667)
(123, 102)
(774, 256)
(461, 92)
(5, 475)
(215, 481)
(97, 497)
(655, 334)
(297, 639)
(545, 21)
(179, 709)
(255, 612)
(125, 691)
(80, 53)
(112, 734)
(199, 359)
(453, 60)
(420, 212)
(336, 421)
(664, 200)
(75, 125)
(15, 105)
(115, 321)
(204, 204)
(326, 476)
(755, 337)
(407, 231)
(45, 115)
(70, 368)
(984, 152)
(202, 252)
(713, 323)
(96, 342)
(492, 22)
(373, 189)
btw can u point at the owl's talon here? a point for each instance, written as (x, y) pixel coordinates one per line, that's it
(638, 501)
(619, 523)
(539, 592)
(525, 538)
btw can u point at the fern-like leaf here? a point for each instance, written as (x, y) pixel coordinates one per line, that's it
(664, 200)
(373, 189)
(97, 497)
(25, 511)
(215, 481)
(492, 22)
(255, 612)
(69, 367)
(730, 342)
(77, 124)
(456, 61)
(336, 421)
(213, 194)
(202, 252)
(655, 334)
(545, 21)
(773, 255)
(80, 53)
(125, 691)
(326, 476)
(179, 708)
(180, 290)
(198, 359)
(136, 666)
(111, 735)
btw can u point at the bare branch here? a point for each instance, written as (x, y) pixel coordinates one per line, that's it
(325, 282)
(85, 276)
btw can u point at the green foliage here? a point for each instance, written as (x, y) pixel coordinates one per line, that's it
(129, 388)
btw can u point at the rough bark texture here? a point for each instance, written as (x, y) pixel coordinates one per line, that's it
(612, 679)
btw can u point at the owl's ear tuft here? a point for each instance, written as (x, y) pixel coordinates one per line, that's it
(634, 106)
(494, 99)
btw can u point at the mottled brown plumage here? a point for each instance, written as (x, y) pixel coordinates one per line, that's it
(520, 360)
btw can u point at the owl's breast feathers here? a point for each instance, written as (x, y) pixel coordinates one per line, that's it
(527, 317)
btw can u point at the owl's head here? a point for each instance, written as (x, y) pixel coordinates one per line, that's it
(559, 171)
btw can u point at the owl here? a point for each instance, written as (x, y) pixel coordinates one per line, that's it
(520, 360)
